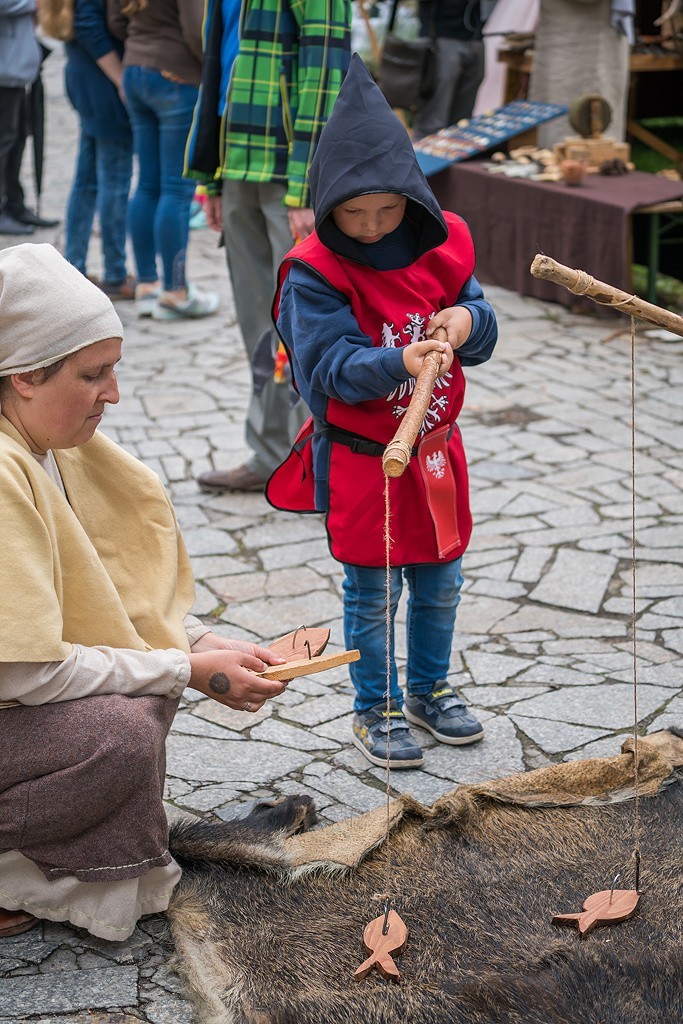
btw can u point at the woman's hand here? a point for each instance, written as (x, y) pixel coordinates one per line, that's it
(456, 321)
(414, 355)
(213, 642)
(229, 677)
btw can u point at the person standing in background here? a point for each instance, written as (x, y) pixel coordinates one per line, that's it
(162, 70)
(105, 150)
(457, 25)
(582, 47)
(19, 68)
(253, 138)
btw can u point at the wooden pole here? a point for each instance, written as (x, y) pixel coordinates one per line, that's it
(372, 35)
(581, 283)
(397, 453)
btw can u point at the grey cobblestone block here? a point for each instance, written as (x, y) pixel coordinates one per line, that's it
(499, 696)
(68, 991)
(290, 736)
(207, 760)
(554, 737)
(498, 754)
(204, 540)
(609, 704)
(317, 710)
(487, 669)
(349, 790)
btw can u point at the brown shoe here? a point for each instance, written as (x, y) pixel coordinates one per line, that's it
(124, 290)
(239, 479)
(14, 922)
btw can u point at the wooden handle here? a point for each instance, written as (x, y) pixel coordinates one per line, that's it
(397, 453)
(581, 283)
(308, 666)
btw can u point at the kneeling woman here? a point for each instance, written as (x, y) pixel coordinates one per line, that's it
(96, 645)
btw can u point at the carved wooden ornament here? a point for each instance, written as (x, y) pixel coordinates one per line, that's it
(608, 907)
(380, 947)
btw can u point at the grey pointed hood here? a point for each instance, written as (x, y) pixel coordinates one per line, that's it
(364, 148)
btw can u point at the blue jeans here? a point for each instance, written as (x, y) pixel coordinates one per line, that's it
(160, 113)
(434, 595)
(101, 183)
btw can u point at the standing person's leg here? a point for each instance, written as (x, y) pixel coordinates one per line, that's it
(16, 205)
(11, 101)
(471, 77)
(173, 106)
(437, 111)
(272, 421)
(142, 206)
(365, 629)
(114, 161)
(14, 198)
(80, 207)
(430, 700)
(257, 237)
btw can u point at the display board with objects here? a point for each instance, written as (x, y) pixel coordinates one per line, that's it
(485, 131)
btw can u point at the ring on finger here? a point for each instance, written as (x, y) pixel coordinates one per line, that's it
(248, 706)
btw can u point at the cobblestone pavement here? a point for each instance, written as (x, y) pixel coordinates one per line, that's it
(543, 649)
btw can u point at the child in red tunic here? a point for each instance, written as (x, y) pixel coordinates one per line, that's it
(357, 305)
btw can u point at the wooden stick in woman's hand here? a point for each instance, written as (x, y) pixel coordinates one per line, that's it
(397, 453)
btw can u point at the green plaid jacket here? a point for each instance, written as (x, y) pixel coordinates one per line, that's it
(292, 59)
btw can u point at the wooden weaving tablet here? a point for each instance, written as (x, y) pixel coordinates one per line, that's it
(309, 666)
(301, 643)
(608, 907)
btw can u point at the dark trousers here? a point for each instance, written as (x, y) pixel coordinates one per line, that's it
(12, 141)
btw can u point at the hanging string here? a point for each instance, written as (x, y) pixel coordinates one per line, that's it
(636, 815)
(387, 653)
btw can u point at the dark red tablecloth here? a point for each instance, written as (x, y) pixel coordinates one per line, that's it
(586, 227)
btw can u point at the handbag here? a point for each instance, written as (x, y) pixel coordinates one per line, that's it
(407, 70)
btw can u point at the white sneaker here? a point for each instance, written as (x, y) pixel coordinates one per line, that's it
(197, 304)
(144, 304)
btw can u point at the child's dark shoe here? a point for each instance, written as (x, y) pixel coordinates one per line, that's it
(370, 729)
(444, 713)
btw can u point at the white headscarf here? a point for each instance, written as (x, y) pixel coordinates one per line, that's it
(48, 309)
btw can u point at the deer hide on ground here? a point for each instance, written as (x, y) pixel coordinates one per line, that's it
(268, 918)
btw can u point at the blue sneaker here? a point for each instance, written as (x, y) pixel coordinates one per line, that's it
(370, 730)
(444, 713)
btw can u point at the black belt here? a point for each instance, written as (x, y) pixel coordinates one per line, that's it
(359, 445)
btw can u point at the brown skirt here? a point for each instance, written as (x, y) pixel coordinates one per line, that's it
(81, 785)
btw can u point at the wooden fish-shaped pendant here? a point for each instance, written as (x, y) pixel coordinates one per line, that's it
(608, 907)
(381, 946)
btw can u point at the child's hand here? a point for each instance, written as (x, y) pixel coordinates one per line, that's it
(414, 355)
(457, 323)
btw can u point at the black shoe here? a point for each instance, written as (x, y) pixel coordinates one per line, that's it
(444, 713)
(27, 216)
(10, 226)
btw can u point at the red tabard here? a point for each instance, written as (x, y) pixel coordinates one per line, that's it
(393, 307)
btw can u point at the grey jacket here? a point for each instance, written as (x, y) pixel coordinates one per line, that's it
(19, 49)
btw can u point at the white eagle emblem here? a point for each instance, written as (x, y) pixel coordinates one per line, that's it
(436, 464)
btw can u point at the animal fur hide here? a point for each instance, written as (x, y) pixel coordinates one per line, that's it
(268, 923)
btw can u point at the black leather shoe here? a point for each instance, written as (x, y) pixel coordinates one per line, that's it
(10, 226)
(27, 216)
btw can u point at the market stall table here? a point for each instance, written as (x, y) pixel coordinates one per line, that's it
(587, 226)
